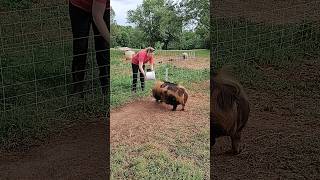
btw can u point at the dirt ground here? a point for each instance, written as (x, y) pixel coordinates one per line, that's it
(142, 121)
(197, 63)
(78, 153)
(282, 135)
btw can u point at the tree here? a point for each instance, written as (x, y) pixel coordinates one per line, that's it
(197, 13)
(112, 17)
(159, 21)
(171, 25)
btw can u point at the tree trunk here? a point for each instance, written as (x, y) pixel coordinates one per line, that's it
(165, 45)
(152, 43)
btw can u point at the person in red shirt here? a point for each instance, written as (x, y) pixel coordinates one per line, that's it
(138, 64)
(83, 14)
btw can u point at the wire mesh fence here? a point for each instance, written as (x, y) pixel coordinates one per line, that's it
(255, 36)
(273, 49)
(269, 32)
(37, 94)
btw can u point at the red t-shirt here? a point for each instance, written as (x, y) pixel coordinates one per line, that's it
(142, 56)
(87, 4)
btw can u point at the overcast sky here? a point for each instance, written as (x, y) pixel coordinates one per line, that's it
(121, 7)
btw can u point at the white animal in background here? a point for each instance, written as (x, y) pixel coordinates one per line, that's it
(124, 48)
(185, 55)
(129, 54)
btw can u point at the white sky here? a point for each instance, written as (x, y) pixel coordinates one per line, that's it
(121, 7)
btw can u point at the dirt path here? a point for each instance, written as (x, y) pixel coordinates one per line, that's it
(143, 121)
(196, 64)
(78, 153)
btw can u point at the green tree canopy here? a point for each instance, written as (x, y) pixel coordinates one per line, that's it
(159, 20)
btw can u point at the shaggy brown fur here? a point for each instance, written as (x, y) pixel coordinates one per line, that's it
(229, 109)
(170, 93)
(157, 90)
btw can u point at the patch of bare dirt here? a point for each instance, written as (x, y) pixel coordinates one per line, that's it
(79, 153)
(143, 121)
(197, 63)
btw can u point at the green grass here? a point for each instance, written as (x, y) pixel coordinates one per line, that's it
(151, 163)
(203, 53)
(187, 159)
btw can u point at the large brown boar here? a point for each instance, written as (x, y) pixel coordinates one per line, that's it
(170, 93)
(229, 109)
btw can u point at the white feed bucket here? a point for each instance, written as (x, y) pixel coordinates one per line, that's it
(150, 75)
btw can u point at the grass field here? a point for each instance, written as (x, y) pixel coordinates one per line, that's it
(166, 157)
